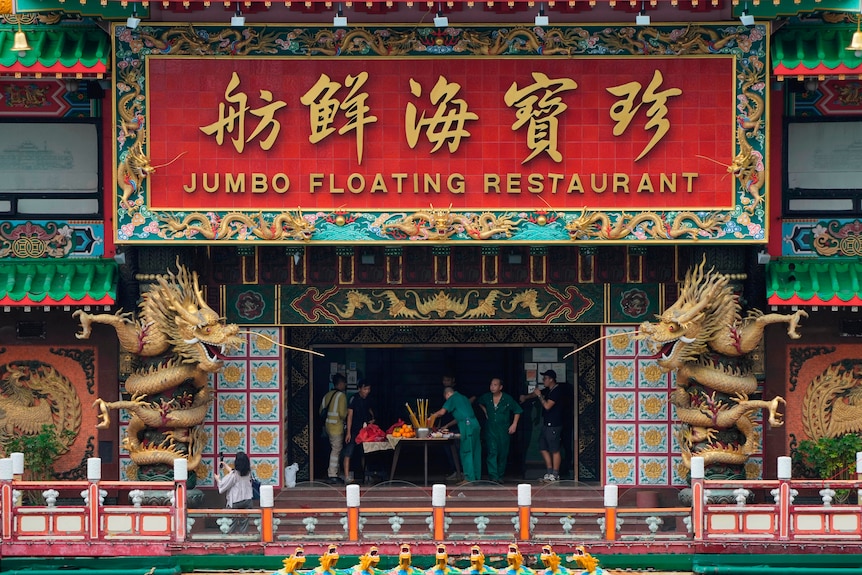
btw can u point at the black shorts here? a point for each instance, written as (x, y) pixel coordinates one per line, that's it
(347, 450)
(550, 439)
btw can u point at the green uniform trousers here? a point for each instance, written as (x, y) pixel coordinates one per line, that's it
(471, 450)
(497, 442)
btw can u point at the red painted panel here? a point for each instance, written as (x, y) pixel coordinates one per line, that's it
(389, 174)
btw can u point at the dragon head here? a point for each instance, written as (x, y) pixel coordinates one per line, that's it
(294, 561)
(369, 559)
(441, 558)
(549, 558)
(514, 557)
(584, 560)
(685, 328)
(577, 227)
(329, 558)
(477, 559)
(199, 336)
(405, 557)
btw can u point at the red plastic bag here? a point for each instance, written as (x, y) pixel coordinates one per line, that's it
(370, 433)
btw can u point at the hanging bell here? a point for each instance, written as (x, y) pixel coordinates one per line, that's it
(20, 44)
(856, 41)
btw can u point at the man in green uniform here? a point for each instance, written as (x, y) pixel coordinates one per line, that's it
(468, 426)
(502, 412)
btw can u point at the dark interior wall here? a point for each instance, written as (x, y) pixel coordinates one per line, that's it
(403, 375)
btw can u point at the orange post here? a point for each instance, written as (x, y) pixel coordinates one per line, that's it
(525, 503)
(438, 514)
(353, 512)
(611, 502)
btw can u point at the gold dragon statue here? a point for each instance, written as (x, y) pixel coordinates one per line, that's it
(708, 343)
(185, 341)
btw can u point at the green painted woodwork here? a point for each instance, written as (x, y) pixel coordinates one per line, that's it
(95, 8)
(552, 304)
(810, 46)
(771, 10)
(813, 282)
(50, 46)
(50, 282)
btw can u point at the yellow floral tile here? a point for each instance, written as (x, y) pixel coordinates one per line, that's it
(620, 406)
(619, 374)
(620, 470)
(653, 470)
(621, 341)
(653, 438)
(620, 438)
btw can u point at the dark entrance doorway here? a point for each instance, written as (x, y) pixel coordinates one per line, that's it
(474, 353)
(401, 376)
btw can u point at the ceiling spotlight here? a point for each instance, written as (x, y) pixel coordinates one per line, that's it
(811, 85)
(440, 21)
(237, 19)
(541, 19)
(340, 20)
(642, 19)
(133, 21)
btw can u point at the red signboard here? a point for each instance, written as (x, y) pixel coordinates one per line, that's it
(525, 133)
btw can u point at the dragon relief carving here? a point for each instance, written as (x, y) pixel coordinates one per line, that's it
(131, 172)
(747, 166)
(832, 405)
(442, 224)
(707, 342)
(185, 340)
(284, 226)
(441, 304)
(600, 225)
(34, 394)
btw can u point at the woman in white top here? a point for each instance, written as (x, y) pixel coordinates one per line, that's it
(237, 485)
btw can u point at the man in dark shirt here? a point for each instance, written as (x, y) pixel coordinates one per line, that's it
(359, 412)
(552, 424)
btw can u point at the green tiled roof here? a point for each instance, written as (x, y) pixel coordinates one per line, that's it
(62, 282)
(56, 49)
(815, 282)
(814, 50)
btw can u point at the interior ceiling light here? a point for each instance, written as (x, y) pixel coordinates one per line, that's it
(133, 21)
(340, 20)
(642, 19)
(440, 21)
(541, 19)
(237, 19)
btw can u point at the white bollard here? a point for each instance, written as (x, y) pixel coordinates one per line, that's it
(353, 495)
(267, 496)
(784, 466)
(6, 469)
(697, 468)
(525, 495)
(17, 463)
(94, 469)
(612, 493)
(438, 495)
(181, 469)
